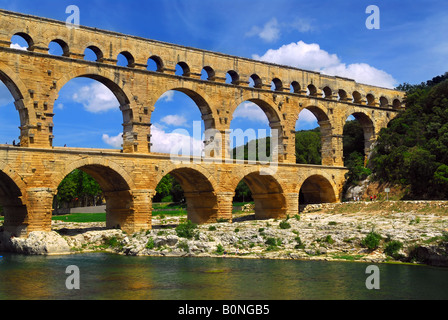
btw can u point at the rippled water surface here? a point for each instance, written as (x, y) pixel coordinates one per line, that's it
(106, 276)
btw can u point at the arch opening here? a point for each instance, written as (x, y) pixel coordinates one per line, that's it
(12, 208)
(312, 145)
(208, 74)
(58, 47)
(316, 190)
(232, 77)
(125, 59)
(255, 81)
(22, 41)
(256, 132)
(96, 188)
(182, 69)
(295, 87)
(155, 64)
(193, 191)
(276, 85)
(93, 53)
(266, 194)
(182, 124)
(11, 101)
(80, 103)
(358, 138)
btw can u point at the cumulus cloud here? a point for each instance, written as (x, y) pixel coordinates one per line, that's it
(251, 112)
(115, 141)
(312, 57)
(272, 30)
(96, 98)
(269, 33)
(176, 142)
(18, 47)
(167, 96)
(174, 120)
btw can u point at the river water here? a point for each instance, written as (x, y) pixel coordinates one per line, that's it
(113, 277)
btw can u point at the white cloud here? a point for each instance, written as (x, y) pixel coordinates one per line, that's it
(178, 141)
(18, 47)
(307, 116)
(174, 120)
(251, 112)
(269, 33)
(115, 142)
(312, 57)
(167, 96)
(60, 106)
(96, 98)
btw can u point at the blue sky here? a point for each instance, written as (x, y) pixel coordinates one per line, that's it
(327, 36)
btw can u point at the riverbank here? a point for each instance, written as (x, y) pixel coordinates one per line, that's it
(411, 232)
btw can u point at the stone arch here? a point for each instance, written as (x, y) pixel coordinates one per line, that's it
(357, 97)
(317, 189)
(17, 89)
(384, 102)
(258, 83)
(124, 180)
(396, 104)
(97, 51)
(328, 93)
(64, 46)
(275, 121)
(313, 92)
(267, 192)
(368, 126)
(342, 94)
(121, 94)
(159, 63)
(277, 84)
(371, 101)
(25, 36)
(199, 191)
(12, 200)
(295, 87)
(129, 57)
(117, 187)
(186, 71)
(94, 73)
(326, 130)
(194, 93)
(211, 75)
(234, 76)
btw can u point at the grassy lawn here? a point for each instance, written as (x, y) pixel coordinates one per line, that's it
(159, 209)
(82, 217)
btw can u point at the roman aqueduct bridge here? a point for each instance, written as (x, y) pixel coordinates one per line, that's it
(30, 173)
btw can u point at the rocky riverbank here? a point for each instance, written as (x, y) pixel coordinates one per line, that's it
(417, 230)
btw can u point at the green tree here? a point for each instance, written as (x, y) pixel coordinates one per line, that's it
(413, 149)
(308, 147)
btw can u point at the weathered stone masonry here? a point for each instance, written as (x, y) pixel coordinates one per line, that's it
(31, 173)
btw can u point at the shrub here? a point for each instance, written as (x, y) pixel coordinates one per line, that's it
(299, 244)
(392, 248)
(329, 240)
(284, 225)
(186, 230)
(219, 249)
(372, 241)
(211, 228)
(150, 243)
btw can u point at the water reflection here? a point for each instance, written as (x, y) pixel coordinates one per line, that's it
(113, 277)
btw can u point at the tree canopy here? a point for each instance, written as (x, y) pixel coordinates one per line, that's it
(413, 150)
